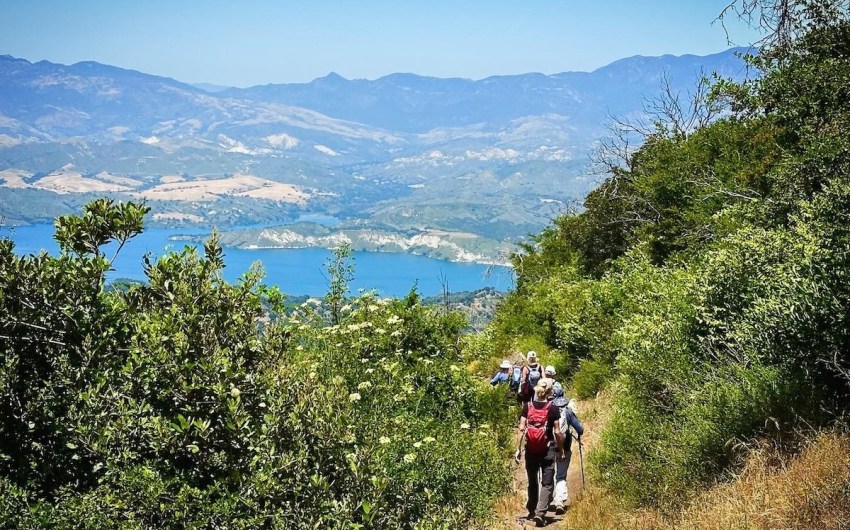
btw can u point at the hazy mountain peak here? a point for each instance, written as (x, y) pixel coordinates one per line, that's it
(332, 77)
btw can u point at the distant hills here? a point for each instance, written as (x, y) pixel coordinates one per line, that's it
(496, 157)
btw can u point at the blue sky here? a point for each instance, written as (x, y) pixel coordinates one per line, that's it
(250, 42)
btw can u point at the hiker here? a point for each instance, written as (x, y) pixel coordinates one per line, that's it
(503, 375)
(568, 419)
(540, 431)
(532, 373)
(550, 374)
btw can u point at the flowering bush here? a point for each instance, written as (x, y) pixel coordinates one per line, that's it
(177, 403)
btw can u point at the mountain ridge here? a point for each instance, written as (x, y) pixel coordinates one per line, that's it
(499, 156)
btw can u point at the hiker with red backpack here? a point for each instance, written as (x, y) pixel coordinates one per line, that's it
(540, 431)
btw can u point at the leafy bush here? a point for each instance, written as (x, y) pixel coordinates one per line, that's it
(705, 281)
(590, 377)
(179, 403)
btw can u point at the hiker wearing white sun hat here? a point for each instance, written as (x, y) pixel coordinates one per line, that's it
(503, 375)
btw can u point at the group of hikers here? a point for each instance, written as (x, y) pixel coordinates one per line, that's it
(546, 424)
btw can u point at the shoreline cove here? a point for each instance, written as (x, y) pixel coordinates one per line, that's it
(297, 271)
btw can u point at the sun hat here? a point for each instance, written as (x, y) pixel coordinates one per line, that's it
(532, 355)
(550, 370)
(505, 364)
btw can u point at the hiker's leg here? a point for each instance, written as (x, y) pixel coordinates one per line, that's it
(532, 465)
(547, 482)
(561, 482)
(560, 500)
(561, 468)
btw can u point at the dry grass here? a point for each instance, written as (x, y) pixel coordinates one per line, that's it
(774, 490)
(809, 491)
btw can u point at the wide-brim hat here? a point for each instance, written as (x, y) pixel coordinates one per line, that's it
(505, 364)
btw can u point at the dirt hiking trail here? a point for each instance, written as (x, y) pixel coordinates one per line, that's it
(510, 509)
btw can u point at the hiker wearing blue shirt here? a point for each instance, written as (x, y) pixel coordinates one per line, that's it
(503, 375)
(568, 421)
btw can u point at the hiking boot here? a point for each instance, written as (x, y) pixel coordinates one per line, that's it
(560, 510)
(538, 521)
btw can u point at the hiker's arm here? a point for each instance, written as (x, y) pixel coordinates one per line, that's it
(520, 434)
(495, 380)
(559, 440)
(574, 422)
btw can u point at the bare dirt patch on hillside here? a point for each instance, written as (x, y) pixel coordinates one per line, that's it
(65, 182)
(168, 179)
(235, 186)
(14, 178)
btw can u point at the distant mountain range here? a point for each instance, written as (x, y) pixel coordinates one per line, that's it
(496, 157)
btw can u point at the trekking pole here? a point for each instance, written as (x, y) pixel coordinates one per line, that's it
(580, 455)
(581, 460)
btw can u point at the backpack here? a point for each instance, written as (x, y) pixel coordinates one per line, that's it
(563, 407)
(534, 376)
(536, 442)
(516, 377)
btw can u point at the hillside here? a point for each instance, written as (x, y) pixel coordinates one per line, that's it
(702, 290)
(498, 157)
(696, 306)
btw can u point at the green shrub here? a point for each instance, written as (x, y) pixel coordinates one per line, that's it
(591, 376)
(176, 403)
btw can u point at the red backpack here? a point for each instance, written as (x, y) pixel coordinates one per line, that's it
(536, 442)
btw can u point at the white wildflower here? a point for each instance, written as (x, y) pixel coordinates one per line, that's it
(354, 397)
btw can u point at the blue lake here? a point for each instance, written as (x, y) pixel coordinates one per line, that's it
(295, 271)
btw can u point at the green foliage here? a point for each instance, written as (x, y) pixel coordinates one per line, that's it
(340, 273)
(705, 283)
(590, 377)
(179, 403)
